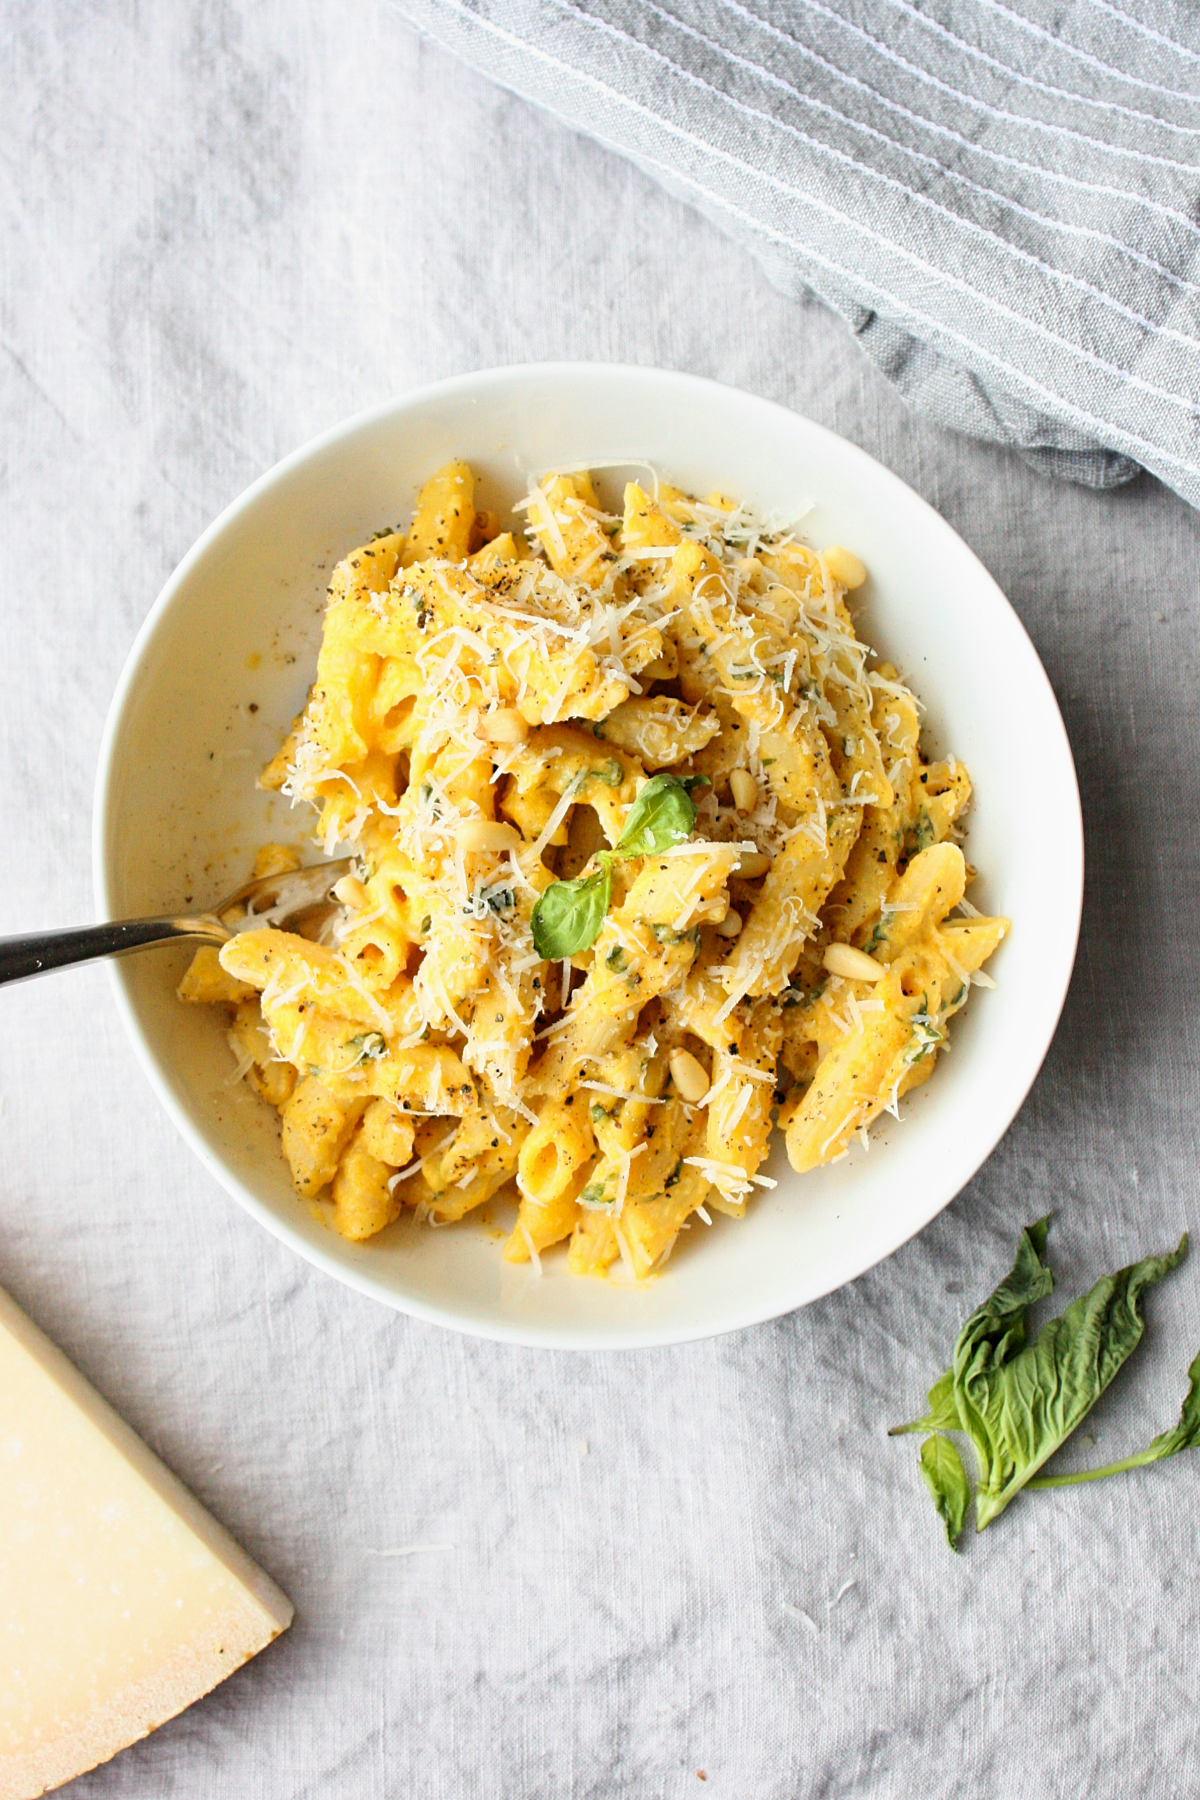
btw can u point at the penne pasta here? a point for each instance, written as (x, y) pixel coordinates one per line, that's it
(649, 861)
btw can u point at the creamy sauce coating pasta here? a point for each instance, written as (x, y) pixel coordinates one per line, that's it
(490, 700)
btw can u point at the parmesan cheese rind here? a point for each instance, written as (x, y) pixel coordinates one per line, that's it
(121, 1599)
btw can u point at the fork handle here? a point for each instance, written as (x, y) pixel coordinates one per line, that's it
(21, 957)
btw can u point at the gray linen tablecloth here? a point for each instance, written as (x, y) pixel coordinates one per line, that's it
(226, 227)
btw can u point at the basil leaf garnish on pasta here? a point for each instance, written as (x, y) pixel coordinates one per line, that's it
(568, 917)
(1018, 1402)
(570, 914)
(662, 815)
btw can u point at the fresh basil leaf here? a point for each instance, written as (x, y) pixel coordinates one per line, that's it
(663, 814)
(942, 1414)
(1019, 1402)
(569, 914)
(1018, 1408)
(998, 1323)
(1184, 1436)
(1186, 1433)
(946, 1479)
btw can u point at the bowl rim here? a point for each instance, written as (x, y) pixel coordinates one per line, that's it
(628, 1336)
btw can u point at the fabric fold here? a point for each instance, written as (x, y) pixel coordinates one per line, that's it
(1001, 201)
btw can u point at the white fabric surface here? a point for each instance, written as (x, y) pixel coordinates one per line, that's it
(226, 227)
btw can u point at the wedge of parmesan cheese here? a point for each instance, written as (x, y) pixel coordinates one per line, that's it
(121, 1600)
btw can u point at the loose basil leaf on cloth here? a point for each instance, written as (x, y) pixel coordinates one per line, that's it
(946, 1479)
(569, 914)
(1184, 1436)
(1000, 1322)
(1018, 1412)
(1019, 1402)
(662, 815)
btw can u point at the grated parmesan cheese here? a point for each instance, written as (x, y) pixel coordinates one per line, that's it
(761, 635)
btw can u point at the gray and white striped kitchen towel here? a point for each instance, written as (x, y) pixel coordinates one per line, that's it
(1003, 200)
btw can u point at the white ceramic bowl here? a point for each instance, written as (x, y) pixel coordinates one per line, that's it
(224, 661)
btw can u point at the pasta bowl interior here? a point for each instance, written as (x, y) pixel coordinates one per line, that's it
(225, 661)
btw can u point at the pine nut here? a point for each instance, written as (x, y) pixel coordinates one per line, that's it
(753, 864)
(688, 1075)
(848, 570)
(488, 834)
(351, 892)
(731, 925)
(744, 789)
(854, 965)
(504, 726)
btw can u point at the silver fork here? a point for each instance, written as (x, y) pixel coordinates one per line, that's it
(289, 899)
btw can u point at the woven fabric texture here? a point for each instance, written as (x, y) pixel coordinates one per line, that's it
(1001, 200)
